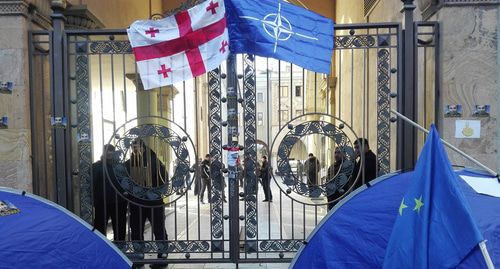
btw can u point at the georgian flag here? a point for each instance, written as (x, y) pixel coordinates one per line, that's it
(185, 45)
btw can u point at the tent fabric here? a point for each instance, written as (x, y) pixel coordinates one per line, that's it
(356, 232)
(43, 234)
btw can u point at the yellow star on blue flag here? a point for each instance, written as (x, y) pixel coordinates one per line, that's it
(428, 236)
(418, 204)
(402, 206)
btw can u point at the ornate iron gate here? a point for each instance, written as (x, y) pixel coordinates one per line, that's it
(253, 106)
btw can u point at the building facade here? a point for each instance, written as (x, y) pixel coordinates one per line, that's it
(60, 108)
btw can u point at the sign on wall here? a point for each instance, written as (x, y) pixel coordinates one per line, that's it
(467, 129)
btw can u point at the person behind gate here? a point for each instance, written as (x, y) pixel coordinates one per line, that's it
(147, 170)
(205, 178)
(367, 163)
(107, 203)
(338, 175)
(265, 175)
(312, 167)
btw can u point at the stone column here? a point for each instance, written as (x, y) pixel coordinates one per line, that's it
(15, 142)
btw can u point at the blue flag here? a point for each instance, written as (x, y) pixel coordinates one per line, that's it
(434, 227)
(277, 29)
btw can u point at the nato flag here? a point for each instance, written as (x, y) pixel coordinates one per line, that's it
(277, 29)
(434, 227)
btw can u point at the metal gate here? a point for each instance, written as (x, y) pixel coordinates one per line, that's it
(86, 94)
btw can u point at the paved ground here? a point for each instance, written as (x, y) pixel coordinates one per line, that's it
(284, 218)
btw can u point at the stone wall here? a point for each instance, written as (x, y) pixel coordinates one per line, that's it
(469, 40)
(15, 150)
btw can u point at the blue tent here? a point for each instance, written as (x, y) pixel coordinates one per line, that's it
(36, 233)
(355, 233)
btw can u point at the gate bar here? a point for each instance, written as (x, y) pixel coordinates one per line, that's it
(232, 144)
(59, 109)
(407, 137)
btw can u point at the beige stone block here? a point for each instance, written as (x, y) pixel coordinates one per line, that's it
(20, 111)
(16, 174)
(14, 31)
(14, 66)
(17, 108)
(15, 145)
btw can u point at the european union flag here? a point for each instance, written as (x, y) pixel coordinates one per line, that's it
(277, 29)
(434, 228)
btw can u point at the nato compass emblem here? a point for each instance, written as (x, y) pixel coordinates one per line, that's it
(7, 208)
(278, 27)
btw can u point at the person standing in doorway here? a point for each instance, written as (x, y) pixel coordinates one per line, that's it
(108, 203)
(265, 175)
(205, 178)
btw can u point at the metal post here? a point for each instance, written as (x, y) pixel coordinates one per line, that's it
(407, 137)
(232, 145)
(61, 135)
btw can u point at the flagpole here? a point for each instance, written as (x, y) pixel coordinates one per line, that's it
(416, 125)
(486, 255)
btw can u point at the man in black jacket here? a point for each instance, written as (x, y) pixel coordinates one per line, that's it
(338, 176)
(107, 203)
(147, 170)
(265, 175)
(205, 178)
(312, 167)
(367, 160)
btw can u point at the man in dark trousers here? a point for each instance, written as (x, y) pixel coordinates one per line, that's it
(107, 203)
(338, 175)
(241, 172)
(367, 160)
(205, 178)
(300, 170)
(148, 171)
(265, 175)
(312, 167)
(197, 180)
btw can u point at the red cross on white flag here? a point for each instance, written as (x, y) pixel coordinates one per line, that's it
(185, 45)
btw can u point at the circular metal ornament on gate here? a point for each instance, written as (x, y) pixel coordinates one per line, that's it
(294, 185)
(143, 155)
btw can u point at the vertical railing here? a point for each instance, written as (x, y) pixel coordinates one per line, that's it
(250, 154)
(231, 146)
(60, 111)
(215, 148)
(408, 99)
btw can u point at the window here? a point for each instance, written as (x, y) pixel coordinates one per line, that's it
(284, 91)
(260, 118)
(284, 115)
(298, 90)
(299, 112)
(260, 97)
